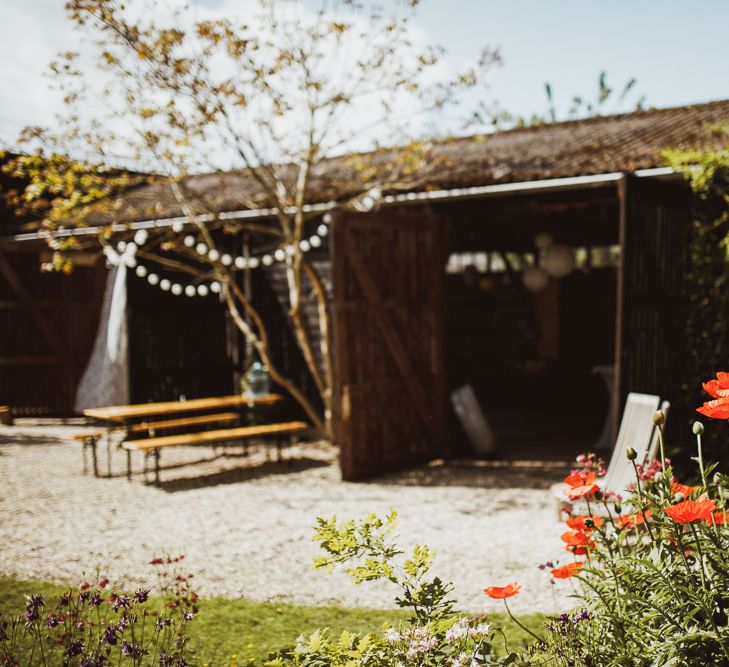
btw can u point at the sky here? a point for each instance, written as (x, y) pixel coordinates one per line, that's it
(675, 49)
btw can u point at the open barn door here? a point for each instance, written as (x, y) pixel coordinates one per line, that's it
(655, 228)
(388, 330)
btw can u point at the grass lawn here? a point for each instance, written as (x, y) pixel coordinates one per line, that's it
(238, 632)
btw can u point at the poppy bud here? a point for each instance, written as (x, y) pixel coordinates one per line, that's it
(589, 523)
(618, 508)
(659, 418)
(698, 428)
(631, 454)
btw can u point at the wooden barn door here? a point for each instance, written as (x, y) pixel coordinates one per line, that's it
(655, 229)
(388, 330)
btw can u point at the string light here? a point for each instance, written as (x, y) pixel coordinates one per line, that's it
(240, 262)
(153, 279)
(190, 290)
(176, 289)
(189, 241)
(226, 260)
(177, 227)
(201, 249)
(213, 255)
(165, 284)
(141, 271)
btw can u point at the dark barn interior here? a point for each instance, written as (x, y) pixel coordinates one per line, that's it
(530, 355)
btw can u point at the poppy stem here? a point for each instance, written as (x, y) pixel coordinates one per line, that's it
(523, 627)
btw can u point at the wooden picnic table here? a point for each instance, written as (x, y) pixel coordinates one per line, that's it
(125, 413)
(129, 419)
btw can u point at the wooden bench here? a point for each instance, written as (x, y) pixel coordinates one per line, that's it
(152, 446)
(90, 439)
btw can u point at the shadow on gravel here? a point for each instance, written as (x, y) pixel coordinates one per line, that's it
(241, 474)
(477, 474)
(26, 439)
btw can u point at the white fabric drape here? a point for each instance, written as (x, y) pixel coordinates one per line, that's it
(106, 378)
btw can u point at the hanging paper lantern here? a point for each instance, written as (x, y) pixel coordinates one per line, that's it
(543, 240)
(559, 260)
(535, 278)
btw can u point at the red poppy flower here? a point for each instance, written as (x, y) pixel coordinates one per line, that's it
(717, 409)
(718, 388)
(720, 518)
(581, 491)
(578, 522)
(566, 571)
(579, 551)
(574, 537)
(631, 520)
(501, 592)
(580, 478)
(691, 510)
(685, 490)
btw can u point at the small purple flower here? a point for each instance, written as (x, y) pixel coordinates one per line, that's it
(166, 660)
(109, 635)
(142, 595)
(131, 650)
(74, 648)
(33, 604)
(162, 623)
(53, 621)
(96, 599)
(65, 599)
(188, 616)
(120, 602)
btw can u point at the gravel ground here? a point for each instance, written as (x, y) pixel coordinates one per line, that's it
(245, 523)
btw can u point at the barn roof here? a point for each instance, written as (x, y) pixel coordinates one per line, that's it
(603, 144)
(599, 145)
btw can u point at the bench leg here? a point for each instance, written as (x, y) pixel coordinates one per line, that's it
(156, 466)
(108, 454)
(94, 457)
(129, 465)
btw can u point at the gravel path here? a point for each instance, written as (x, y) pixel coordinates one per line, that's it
(245, 524)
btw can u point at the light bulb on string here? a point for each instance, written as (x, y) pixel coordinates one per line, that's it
(215, 287)
(165, 284)
(201, 249)
(279, 255)
(240, 262)
(190, 290)
(226, 260)
(267, 260)
(290, 250)
(177, 227)
(131, 247)
(213, 255)
(315, 241)
(253, 262)
(153, 279)
(322, 230)
(189, 241)
(121, 246)
(141, 236)
(304, 245)
(327, 218)
(176, 289)
(202, 290)
(141, 271)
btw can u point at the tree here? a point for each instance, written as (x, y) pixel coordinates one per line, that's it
(273, 101)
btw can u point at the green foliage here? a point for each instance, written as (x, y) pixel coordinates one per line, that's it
(655, 582)
(707, 279)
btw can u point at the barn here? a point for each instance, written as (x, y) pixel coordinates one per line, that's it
(432, 289)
